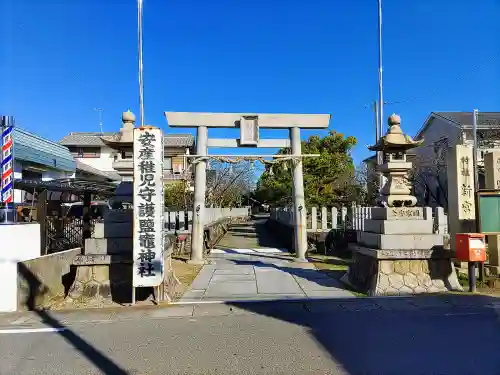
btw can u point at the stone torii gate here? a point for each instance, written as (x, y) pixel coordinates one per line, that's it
(249, 125)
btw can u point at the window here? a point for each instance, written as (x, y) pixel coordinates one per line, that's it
(127, 155)
(85, 152)
(167, 164)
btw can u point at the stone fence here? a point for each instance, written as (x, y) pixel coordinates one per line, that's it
(182, 221)
(324, 219)
(46, 279)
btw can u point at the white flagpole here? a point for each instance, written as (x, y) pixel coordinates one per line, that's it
(141, 78)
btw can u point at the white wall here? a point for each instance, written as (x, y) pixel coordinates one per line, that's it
(18, 174)
(55, 175)
(20, 242)
(102, 163)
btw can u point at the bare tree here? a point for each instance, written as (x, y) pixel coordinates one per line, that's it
(368, 179)
(429, 176)
(229, 183)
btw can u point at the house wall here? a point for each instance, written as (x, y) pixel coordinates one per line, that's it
(106, 159)
(468, 138)
(430, 185)
(437, 130)
(102, 163)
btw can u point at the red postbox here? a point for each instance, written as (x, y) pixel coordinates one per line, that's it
(471, 247)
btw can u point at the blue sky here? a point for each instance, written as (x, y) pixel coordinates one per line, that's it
(61, 59)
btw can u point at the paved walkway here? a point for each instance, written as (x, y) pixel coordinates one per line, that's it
(248, 264)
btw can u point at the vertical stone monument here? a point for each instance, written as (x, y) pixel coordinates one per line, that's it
(492, 181)
(128, 248)
(461, 191)
(398, 252)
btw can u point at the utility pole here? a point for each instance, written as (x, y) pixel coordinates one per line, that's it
(474, 153)
(380, 80)
(100, 117)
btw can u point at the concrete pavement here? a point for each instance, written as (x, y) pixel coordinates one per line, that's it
(248, 264)
(420, 335)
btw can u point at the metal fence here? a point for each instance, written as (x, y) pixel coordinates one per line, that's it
(63, 233)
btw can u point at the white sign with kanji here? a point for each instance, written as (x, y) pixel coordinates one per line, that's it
(148, 265)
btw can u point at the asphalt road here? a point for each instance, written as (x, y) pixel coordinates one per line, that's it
(362, 336)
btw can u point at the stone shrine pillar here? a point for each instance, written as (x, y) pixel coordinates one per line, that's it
(398, 252)
(461, 191)
(492, 181)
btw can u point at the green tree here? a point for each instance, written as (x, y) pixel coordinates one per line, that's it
(329, 179)
(178, 196)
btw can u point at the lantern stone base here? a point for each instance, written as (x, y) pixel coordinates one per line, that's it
(399, 254)
(424, 271)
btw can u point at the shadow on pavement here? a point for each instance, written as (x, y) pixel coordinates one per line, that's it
(416, 335)
(313, 275)
(36, 289)
(255, 229)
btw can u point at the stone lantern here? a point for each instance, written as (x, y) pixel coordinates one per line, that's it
(394, 146)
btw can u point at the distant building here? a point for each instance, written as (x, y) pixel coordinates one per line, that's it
(113, 151)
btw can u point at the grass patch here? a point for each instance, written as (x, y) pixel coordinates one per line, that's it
(334, 267)
(329, 262)
(489, 287)
(185, 273)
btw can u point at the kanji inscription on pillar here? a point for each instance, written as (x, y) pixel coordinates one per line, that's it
(148, 236)
(466, 209)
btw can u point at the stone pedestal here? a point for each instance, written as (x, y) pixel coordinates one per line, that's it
(398, 254)
(104, 270)
(101, 278)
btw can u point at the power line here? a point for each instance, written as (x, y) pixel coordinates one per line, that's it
(446, 85)
(418, 97)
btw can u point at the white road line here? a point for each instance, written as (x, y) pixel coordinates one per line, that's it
(31, 330)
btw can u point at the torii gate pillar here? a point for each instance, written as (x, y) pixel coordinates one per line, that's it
(249, 124)
(200, 187)
(299, 204)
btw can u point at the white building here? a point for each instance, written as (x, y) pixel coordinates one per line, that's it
(112, 151)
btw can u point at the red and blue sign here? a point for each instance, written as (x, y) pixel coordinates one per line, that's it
(7, 163)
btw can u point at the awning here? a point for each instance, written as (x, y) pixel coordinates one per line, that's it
(75, 186)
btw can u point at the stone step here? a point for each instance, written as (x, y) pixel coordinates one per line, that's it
(118, 216)
(113, 230)
(398, 213)
(406, 226)
(400, 241)
(108, 246)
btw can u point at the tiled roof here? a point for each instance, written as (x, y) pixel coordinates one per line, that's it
(465, 118)
(88, 169)
(94, 139)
